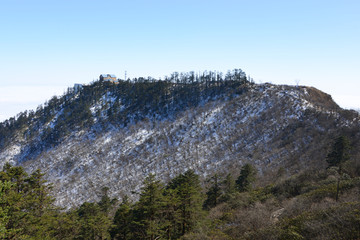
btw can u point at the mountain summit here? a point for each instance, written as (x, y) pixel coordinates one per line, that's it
(113, 135)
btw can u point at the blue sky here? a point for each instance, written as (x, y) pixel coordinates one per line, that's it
(47, 46)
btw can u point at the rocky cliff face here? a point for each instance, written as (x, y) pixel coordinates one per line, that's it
(266, 125)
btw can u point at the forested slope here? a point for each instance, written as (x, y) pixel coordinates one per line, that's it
(114, 135)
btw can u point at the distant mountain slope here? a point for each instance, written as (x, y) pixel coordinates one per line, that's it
(114, 135)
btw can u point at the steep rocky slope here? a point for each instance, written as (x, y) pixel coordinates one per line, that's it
(270, 126)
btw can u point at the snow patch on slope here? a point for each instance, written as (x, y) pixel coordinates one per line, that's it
(219, 135)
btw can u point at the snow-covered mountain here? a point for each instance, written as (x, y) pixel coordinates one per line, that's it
(114, 135)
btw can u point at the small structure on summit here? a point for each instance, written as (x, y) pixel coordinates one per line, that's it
(108, 77)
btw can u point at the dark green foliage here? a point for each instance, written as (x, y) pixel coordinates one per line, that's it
(246, 178)
(95, 219)
(122, 224)
(300, 207)
(229, 188)
(187, 189)
(149, 209)
(172, 214)
(161, 213)
(214, 193)
(26, 210)
(5, 187)
(25, 204)
(106, 204)
(338, 156)
(126, 102)
(339, 152)
(93, 222)
(67, 226)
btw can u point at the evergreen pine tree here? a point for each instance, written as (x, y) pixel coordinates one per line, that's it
(214, 193)
(25, 204)
(188, 190)
(338, 155)
(339, 152)
(149, 208)
(229, 185)
(5, 186)
(171, 214)
(246, 178)
(94, 223)
(122, 221)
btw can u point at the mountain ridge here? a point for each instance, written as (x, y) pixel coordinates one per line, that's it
(223, 125)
